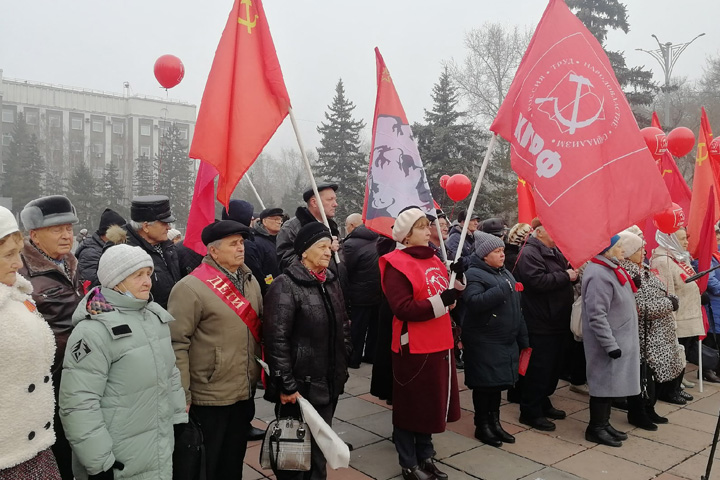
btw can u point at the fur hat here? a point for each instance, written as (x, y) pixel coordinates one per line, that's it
(240, 211)
(486, 243)
(405, 221)
(48, 212)
(8, 224)
(116, 235)
(119, 262)
(631, 242)
(108, 218)
(518, 233)
(308, 235)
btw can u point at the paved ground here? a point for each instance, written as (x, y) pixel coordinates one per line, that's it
(678, 450)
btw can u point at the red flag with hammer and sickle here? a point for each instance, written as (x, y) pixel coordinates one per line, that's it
(575, 140)
(245, 98)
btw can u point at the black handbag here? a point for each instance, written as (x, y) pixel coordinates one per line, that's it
(710, 356)
(189, 453)
(287, 444)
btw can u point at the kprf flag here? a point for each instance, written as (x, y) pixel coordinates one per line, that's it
(706, 176)
(396, 177)
(526, 202)
(245, 98)
(574, 139)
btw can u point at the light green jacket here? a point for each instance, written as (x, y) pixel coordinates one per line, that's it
(120, 392)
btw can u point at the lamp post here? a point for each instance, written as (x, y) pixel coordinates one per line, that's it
(666, 56)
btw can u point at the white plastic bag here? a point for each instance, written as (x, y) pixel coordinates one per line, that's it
(335, 450)
(576, 319)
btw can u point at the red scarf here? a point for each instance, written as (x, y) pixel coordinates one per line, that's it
(622, 275)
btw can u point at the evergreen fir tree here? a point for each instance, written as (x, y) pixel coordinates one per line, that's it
(83, 193)
(113, 190)
(144, 181)
(24, 167)
(175, 173)
(340, 157)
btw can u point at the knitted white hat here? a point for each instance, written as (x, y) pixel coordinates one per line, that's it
(630, 242)
(404, 223)
(172, 233)
(8, 224)
(119, 262)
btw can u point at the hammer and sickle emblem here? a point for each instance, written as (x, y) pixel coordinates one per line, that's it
(573, 123)
(250, 24)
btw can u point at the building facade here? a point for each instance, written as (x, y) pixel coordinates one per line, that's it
(80, 125)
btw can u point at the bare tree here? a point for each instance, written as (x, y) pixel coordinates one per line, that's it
(494, 53)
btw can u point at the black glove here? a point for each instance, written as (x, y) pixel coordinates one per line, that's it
(449, 296)
(637, 280)
(615, 354)
(675, 302)
(705, 298)
(108, 475)
(460, 266)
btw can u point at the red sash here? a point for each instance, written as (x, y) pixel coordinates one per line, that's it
(230, 295)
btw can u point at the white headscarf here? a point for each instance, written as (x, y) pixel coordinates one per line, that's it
(670, 243)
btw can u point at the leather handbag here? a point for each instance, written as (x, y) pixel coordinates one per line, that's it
(286, 445)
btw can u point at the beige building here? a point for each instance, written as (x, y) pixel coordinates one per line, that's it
(75, 124)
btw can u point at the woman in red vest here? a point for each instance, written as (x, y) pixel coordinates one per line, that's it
(425, 389)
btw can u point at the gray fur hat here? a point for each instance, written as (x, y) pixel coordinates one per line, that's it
(486, 243)
(48, 212)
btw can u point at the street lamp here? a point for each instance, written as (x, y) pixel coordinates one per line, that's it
(666, 56)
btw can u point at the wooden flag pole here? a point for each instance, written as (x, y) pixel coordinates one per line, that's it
(310, 174)
(257, 195)
(463, 234)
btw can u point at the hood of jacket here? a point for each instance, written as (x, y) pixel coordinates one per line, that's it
(90, 242)
(20, 290)
(305, 217)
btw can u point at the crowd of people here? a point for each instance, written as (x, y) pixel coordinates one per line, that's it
(112, 352)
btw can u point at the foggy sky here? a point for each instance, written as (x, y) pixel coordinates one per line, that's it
(100, 44)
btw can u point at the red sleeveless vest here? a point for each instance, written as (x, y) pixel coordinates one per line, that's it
(428, 277)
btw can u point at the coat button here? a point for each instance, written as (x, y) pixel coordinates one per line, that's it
(31, 388)
(31, 435)
(46, 379)
(47, 426)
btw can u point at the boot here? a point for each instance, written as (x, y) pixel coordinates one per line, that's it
(653, 416)
(496, 428)
(616, 434)
(483, 431)
(599, 421)
(637, 415)
(416, 473)
(710, 376)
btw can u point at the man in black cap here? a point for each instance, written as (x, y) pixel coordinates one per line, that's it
(305, 215)
(266, 230)
(216, 338)
(495, 226)
(90, 250)
(150, 219)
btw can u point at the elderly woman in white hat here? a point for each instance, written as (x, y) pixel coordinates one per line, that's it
(120, 393)
(27, 349)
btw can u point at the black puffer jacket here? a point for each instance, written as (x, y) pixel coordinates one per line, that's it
(547, 297)
(306, 333)
(265, 244)
(88, 256)
(167, 266)
(493, 331)
(361, 261)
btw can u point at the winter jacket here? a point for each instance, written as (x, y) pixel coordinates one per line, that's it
(167, 267)
(493, 331)
(512, 252)
(453, 240)
(361, 262)
(286, 237)
(88, 256)
(713, 289)
(610, 322)
(55, 293)
(27, 403)
(267, 250)
(120, 392)
(547, 297)
(306, 333)
(214, 349)
(689, 315)
(188, 259)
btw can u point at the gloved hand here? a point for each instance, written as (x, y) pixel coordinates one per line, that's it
(637, 280)
(108, 475)
(449, 296)
(459, 268)
(675, 302)
(615, 354)
(705, 298)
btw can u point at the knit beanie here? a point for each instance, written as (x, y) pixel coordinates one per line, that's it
(486, 243)
(308, 235)
(405, 221)
(240, 211)
(518, 233)
(172, 233)
(109, 218)
(119, 262)
(8, 224)
(631, 243)
(613, 240)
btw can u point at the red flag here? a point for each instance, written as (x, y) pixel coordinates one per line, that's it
(396, 177)
(245, 98)
(705, 177)
(707, 243)
(202, 208)
(655, 122)
(575, 140)
(526, 202)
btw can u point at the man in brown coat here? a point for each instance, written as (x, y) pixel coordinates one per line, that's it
(216, 337)
(52, 270)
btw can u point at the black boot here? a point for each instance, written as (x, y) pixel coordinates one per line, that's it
(483, 431)
(653, 415)
(616, 434)
(599, 421)
(496, 428)
(637, 415)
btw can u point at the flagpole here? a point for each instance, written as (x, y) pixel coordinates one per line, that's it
(257, 195)
(310, 174)
(700, 375)
(463, 234)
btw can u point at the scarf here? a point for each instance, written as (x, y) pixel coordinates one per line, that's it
(670, 243)
(622, 275)
(319, 276)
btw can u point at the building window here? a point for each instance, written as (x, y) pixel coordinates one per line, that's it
(183, 134)
(8, 115)
(76, 147)
(145, 130)
(6, 139)
(31, 118)
(54, 121)
(117, 149)
(145, 151)
(98, 148)
(76, 123)
(97, 126)
(118, 128)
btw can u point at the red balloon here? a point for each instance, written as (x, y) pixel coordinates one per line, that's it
(169, 70)
(714, 149)
(443, 180)
(655, 140)
(670, 220)
(680, 141)
(458, 187)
